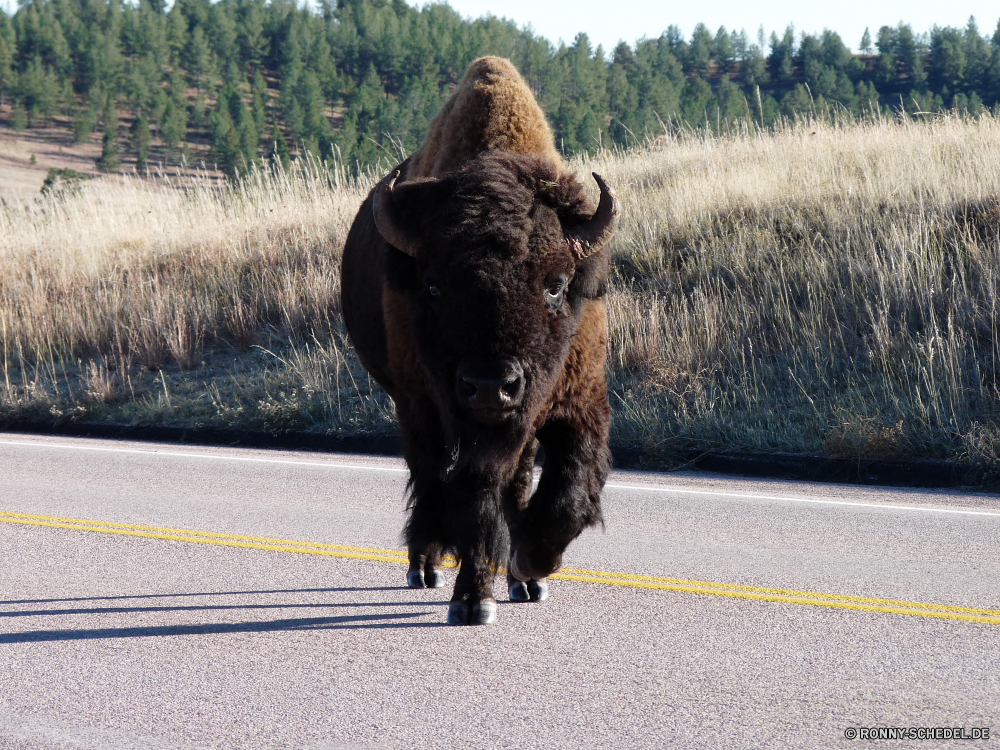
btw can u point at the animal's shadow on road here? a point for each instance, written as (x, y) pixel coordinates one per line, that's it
(352, 621)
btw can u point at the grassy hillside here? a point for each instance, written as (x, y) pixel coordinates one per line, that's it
(820, 289)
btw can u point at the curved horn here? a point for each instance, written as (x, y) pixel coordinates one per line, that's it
(589, 237)
(385, 220)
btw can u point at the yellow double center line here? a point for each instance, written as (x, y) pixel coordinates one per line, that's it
(629, 580)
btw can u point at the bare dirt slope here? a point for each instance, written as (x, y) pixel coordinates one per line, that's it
(52, 147)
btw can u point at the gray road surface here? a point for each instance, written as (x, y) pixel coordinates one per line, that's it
(111, 640)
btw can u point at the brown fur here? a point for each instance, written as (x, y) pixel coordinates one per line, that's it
(491, 110)
(487, 202)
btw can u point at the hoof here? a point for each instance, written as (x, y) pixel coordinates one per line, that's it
(480, 613)
(518, 592)
(434, 579)
(538, 590)
(415, 579)
(532, 591)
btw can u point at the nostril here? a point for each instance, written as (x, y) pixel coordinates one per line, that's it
(467, 389)
(512, 389)
(489, 384)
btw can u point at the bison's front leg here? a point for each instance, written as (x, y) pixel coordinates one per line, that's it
(568, 497)
(515, 499)
(481, 535)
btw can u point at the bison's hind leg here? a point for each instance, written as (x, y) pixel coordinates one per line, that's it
(426, 567)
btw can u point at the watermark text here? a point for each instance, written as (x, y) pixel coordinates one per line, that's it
(917, 733)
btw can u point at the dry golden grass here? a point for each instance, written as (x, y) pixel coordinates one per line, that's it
(822, 288)
(109, 295)
(826, 288)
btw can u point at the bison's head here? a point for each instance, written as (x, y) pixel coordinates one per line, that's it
(495, 264)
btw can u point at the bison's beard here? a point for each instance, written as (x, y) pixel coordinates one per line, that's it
(487, 447)
(490, 442)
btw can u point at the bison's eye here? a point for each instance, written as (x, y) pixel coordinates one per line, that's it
(555, 292)
(433, 291)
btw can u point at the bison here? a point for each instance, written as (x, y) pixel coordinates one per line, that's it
(472, 290)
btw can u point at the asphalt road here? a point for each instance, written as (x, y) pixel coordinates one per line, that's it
(158, 596)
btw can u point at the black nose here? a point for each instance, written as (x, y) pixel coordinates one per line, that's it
(490, 384)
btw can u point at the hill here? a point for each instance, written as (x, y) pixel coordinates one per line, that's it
(224, 84)
(821, 288)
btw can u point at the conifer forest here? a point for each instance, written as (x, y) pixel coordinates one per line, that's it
(358, 80)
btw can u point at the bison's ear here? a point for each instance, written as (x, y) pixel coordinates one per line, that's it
(594, 234)
(591, 278)
(388, 218)
(398, 211)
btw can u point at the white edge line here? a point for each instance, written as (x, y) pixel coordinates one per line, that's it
(362, 467)
(179, 454)
(792, 499)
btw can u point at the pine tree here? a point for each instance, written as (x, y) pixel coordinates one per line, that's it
(310, 96)
(731, 104)
(797, 101)
(173, 129)
(699, 55)
(866, 42)
(754, 67)
(8, 49)
(867, 97)
(258, 103)
(886, 74)
(724, 53)
(198, 58)
(139, 140)
(741, 45)
(243, 123)
(991, 83)
(177, 32)
(346, 139)
(675, 42)
(780, 64)
(977, 61)
(67, 98)
(18, 116)
(250, 34)
(947, 60)
(908, 56)
(84, 121)
(199, 111)
(696, 98)
(623, 98)
(225, 140)
(291, 108)
(109, 160)
(39, 90)
(281, 151)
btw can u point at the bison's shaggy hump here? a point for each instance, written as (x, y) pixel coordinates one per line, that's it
(491, 110)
